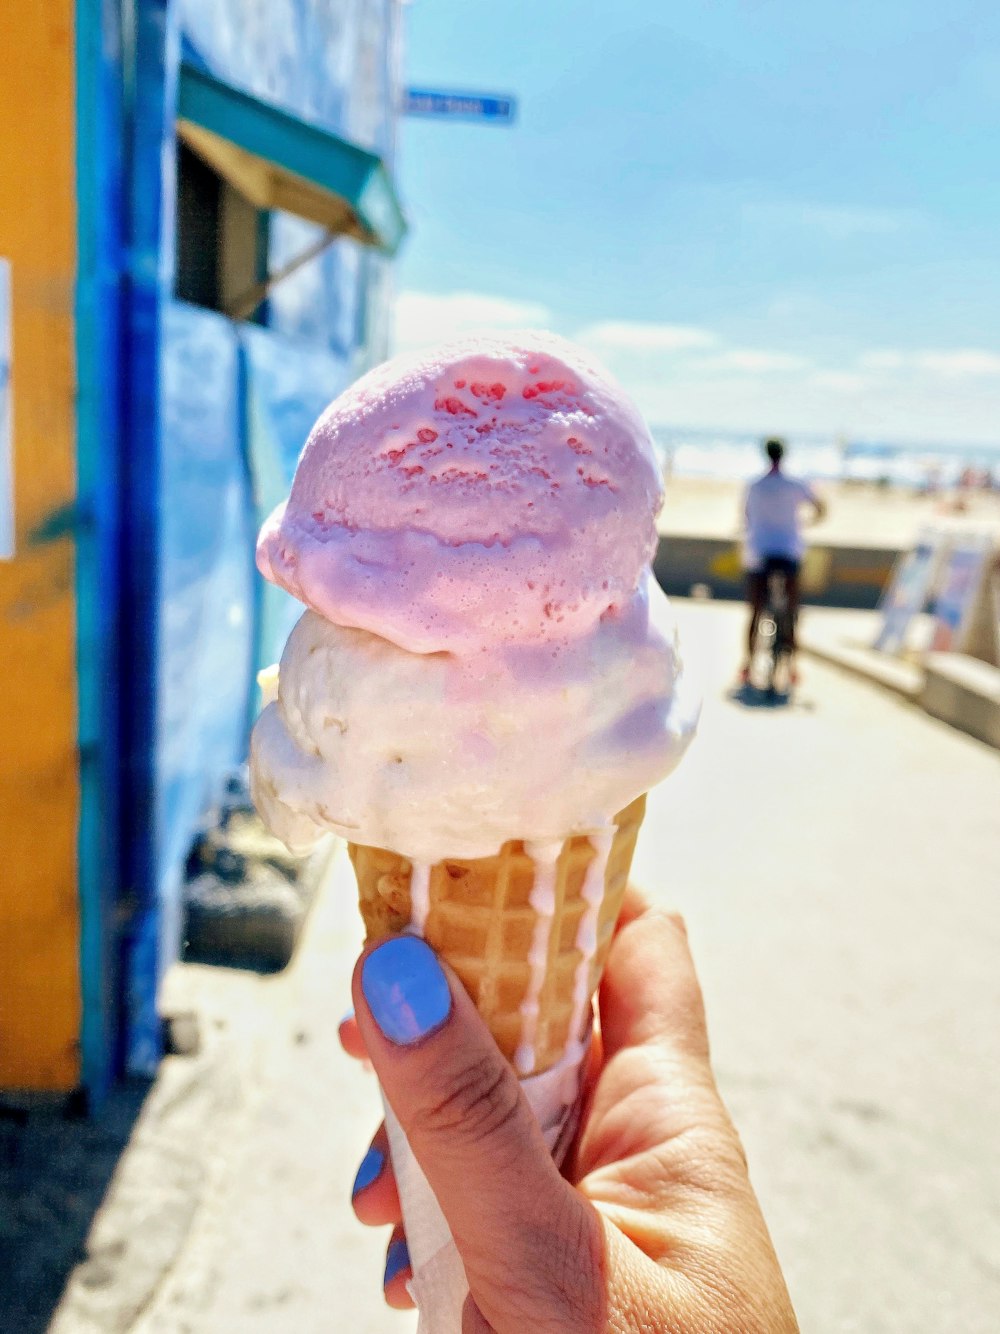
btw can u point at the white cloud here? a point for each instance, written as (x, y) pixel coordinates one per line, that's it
(956, 363)
(688, 375)
(838, 222)
(961, 363)
(639, 336)
(753, 360)
(882, 359)
(841, 223)
(422, 319)
(842, 382)
(908, 405)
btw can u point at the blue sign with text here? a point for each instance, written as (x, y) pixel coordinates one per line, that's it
(464, 106)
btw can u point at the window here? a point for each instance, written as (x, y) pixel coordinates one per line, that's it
(221, 242)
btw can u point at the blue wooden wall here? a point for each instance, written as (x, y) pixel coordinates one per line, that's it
(217, 415)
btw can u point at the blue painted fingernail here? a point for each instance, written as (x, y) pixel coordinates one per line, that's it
(397, 1258)
(346, 1016)
(371, 1167)
(406, 990)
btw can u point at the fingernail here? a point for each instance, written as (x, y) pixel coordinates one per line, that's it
(397, 1258)
(371, 1167)
(406, 990)
(346, 1017)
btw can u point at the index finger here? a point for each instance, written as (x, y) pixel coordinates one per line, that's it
(350, 1037)
(650, 991)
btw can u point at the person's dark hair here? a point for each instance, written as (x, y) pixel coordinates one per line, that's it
(774, 449)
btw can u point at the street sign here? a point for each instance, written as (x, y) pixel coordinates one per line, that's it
(459, 106)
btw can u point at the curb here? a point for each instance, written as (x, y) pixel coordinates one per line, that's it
(940, 689)
(902, 679)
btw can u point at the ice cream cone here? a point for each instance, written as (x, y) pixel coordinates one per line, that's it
(527, 930)
(486, 662)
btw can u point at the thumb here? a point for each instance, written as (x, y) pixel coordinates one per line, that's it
(531, 1245)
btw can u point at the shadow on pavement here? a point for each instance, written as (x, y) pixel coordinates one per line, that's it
(138, 1164)
(55, 1167)
(750, 697)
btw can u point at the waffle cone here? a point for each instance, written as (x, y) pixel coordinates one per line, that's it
(481, 920)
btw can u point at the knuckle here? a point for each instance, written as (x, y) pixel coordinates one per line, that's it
(478, 1100)
(677, 921)
(576, 1283)
(560, 1268)
(715, 1162)
(569, 1284)
(670, 920)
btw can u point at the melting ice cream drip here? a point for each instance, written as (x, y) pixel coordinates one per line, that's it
(543, 899)
(420, 897)
(586, 935)
(562, 1081)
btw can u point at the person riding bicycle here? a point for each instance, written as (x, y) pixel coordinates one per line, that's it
(774, 543)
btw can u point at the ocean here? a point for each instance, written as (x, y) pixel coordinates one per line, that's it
(736, 456)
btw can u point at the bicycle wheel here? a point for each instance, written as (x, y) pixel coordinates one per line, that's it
(784, 633)
(762, 668)
(779, 614)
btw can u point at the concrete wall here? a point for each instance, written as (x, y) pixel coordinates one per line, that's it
(831, 576)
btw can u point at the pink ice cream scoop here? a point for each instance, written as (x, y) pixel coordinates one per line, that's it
(496, 490)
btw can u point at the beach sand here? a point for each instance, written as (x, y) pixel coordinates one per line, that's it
(859, 515)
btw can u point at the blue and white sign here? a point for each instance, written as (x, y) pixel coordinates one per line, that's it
(459, 106)
(958, 593)
(6, 446)
(912, 580)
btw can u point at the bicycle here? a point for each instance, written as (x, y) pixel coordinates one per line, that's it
(775, 633)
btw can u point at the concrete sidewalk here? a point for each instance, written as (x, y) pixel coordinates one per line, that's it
(844, 638)
(837, 861)
(958, 690)
(230, 1210)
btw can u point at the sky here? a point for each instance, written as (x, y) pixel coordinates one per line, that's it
(763, 215)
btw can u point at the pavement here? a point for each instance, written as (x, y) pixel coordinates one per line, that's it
(844, 638)
(837, 859)
(954, 687)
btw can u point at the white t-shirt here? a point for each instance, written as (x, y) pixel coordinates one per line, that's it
(772, 518)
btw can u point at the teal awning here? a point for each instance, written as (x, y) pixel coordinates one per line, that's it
(278, 161)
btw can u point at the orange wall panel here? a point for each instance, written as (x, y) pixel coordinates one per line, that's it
(39, 769)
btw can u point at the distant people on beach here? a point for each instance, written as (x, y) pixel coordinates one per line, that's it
(931, 483)
(974, 478)
(773, 543)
